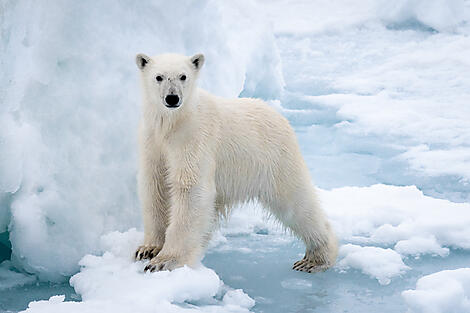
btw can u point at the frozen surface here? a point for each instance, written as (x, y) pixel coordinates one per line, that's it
(376, 90)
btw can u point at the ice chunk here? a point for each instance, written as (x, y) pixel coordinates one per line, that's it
(420, 245)
(238, 298)
(442, 292)
(385, 215)
(382, 264)
(115, 283)
(424, 159)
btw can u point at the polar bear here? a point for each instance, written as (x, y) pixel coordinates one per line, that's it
(201, 155)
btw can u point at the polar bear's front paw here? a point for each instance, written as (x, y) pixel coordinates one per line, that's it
(146, 252)
(162, 263)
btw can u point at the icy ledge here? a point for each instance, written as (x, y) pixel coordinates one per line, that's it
(114, 283)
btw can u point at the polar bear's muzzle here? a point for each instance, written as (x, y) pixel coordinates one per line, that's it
(172, 101)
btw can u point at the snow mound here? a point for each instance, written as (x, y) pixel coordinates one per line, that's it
(442, 292)
(113, 282)
(382, 264)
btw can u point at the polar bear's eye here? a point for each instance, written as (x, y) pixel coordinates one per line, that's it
(159, 78)
(183, 77)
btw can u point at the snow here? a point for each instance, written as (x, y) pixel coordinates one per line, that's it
(376, 90)
(445, 291)
(296, 16)
(382, 264)
(420, 245)
(237, 298)
(113, 282)
(391, 215)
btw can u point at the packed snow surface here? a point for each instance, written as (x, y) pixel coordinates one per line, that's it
(445, 291)
(378, 94)
(114, 283)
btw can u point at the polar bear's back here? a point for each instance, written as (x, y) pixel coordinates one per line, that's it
(257, 155)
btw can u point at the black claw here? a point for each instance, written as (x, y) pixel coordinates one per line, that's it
(149, 267)
(145, 254)
(150, 255)
(136, 254)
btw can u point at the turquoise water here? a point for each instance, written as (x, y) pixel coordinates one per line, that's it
(265, 274)
(17, 299)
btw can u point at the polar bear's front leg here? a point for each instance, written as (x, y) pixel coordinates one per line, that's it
(154, 197)
(191, 220)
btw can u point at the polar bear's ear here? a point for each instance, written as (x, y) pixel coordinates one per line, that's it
(142, 60)
(197, 61)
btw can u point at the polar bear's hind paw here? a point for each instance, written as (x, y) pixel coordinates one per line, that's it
(309, 266)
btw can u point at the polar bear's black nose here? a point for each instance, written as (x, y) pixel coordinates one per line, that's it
(172, 101)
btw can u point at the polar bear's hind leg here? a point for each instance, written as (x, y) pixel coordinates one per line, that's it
(301, 213)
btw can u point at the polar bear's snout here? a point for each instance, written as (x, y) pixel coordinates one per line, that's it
(172, 101)
(172, 94)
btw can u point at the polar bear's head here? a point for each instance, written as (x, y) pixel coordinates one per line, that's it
(169, 79)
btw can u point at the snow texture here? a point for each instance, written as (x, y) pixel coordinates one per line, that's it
(445, 291)
(398, 216)
(114, 283)
(379, 263)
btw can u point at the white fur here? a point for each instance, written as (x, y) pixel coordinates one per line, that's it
(206, 156)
